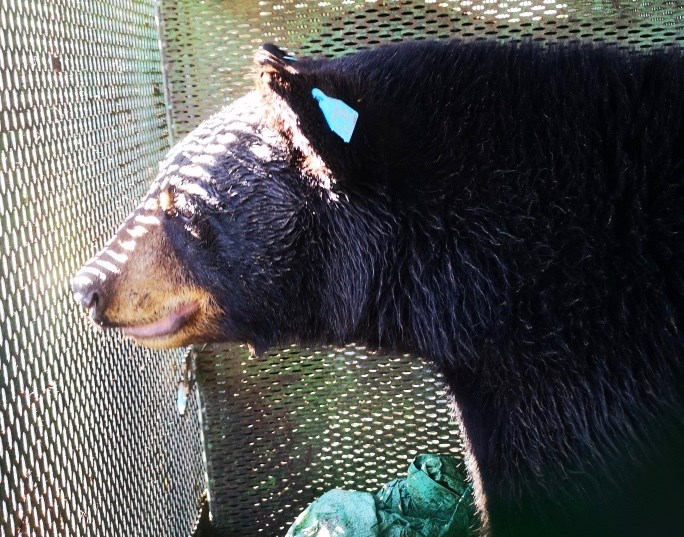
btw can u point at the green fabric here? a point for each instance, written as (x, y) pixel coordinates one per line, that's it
(338, 513)
(433, 501)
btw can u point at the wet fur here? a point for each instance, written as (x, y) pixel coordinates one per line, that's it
(516, 215)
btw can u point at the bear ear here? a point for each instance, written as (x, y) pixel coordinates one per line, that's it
(271, 58)
(277, 72)
(301, 97)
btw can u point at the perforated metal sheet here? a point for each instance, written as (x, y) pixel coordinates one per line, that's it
(208, 46)
(282, 430)
(90, 438)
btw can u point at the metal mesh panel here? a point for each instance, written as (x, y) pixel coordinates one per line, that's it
(208, 46)
(281, 430)
(91, 440)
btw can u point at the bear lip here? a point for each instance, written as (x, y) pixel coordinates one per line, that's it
(164, 326)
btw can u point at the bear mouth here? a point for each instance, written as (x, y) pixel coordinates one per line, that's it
(165, 326)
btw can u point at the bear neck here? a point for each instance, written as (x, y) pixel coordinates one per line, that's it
(384, 269)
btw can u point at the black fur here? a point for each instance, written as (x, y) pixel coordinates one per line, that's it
(514, 214)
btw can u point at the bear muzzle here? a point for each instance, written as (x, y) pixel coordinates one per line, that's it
(88, 293)
(150, 302)
(167, 324)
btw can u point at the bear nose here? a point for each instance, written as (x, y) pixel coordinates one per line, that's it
(87, 294)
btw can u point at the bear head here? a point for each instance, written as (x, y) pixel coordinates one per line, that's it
(211, 253)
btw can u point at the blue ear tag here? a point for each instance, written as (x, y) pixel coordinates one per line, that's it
(340, 116)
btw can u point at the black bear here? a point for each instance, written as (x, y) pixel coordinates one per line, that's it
(513, 213)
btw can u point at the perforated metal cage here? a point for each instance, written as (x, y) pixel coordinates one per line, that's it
(91, 440)
(92, 443)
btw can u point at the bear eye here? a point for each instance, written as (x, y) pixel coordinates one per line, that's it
(184, 209)
(187, 213)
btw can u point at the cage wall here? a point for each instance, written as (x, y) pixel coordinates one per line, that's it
(91, 440)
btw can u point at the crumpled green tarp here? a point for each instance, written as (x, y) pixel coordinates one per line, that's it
(433, 501)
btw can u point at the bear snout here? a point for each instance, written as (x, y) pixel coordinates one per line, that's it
(148, 296)
(89, 294)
